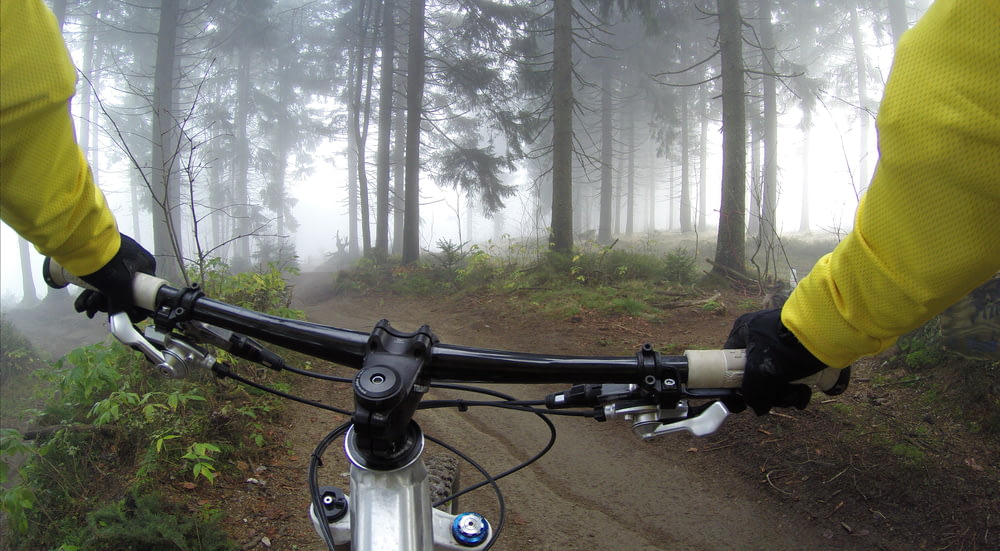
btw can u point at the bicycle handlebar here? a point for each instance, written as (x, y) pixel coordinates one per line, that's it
(658, 394)
(704, 369)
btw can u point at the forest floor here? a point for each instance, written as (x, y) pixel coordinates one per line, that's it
(887, 465)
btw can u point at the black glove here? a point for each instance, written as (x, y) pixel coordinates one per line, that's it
(114, 282)
(774, 359)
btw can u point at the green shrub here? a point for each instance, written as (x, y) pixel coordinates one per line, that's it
(364, 274)
(922, 348)
(418, 279)
(264, 291)
(679, 266)
(148, 522)
(449, 260)
(16, 353)
(480, 270)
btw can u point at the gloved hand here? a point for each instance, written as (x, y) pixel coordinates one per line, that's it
(114, 282)
(774, 359)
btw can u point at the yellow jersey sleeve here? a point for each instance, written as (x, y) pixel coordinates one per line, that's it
(47, 193)
(927, 232)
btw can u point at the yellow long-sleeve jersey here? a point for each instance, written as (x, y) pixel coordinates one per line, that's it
(928, 230)
(47, 192)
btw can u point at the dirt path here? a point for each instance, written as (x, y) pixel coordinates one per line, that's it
(600, 487)
(788, 481)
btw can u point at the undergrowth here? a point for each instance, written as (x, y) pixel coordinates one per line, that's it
(947, 380)
(112, 432)
(598, 278)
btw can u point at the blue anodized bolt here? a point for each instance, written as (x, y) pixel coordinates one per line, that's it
(470, 529)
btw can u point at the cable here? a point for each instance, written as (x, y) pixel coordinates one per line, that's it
(462, 405)
(491, 480)
(315, 461)
(322, 376)
(224, 371)
(508, 402)
(541, 414)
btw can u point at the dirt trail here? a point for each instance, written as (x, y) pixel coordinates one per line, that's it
(600, 487)
(788, 481)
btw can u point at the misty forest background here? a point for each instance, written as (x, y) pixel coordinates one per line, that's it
(597, 114)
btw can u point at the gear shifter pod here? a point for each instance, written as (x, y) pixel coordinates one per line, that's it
(387, 390)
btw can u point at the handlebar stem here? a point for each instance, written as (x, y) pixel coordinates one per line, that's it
(387, 391)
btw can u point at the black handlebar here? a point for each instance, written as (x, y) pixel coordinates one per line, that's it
(445, 362)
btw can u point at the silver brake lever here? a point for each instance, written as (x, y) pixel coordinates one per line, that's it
(123, 330)
(702, 424)
(648, 421)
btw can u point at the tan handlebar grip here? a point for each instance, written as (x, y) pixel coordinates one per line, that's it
(144, 286)
(724, 369)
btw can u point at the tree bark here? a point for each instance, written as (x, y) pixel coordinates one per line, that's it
(240, 260)
(414, 116)
(685, 213)
(861, 68)
(898, 21)
(353, 212)
(769, 181)
(165, 192)
(561, 240)
(607, 158)
(703, 163)
(398, 181)
(630, 182)
(384, 132)
(361, 100)
(730, 251)
(804, 216)
(29, 293)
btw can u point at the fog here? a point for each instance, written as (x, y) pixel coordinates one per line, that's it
(270, 99)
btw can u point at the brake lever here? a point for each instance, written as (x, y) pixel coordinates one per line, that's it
(174, 357)
(180, 356)
(651, 421)
(121, 327)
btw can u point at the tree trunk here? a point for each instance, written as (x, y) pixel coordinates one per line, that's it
(755, 133)
(29, 293)
(165, 192)
(898, 21)
(703, 164)
(382, 172)
(630, 198)
(670, 194)
(364, 66)
(414, 116)
(398, 181)
(769, 187)
(685, 214)
(59, 9)
(607, 158)
(218, 192)
(85, 93)
(240, 261)
(804, 217)
(651, 209)
(619, 187)
(862, 75)
(561, 240)
(353, 215)
(283, 140)
(730, 251)
(135, 185)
